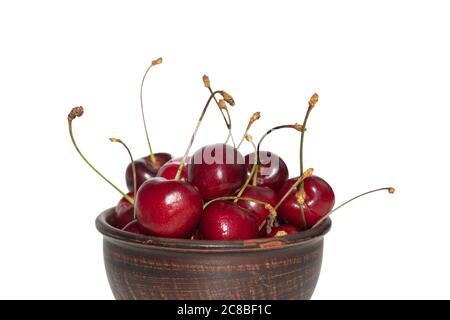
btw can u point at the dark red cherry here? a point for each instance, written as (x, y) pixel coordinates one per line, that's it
(216, 170)
(197, 235)
(262, 194)
(223, 220)
(133, 228)
(319, 201)
(285, 228)
(168, 208)
(273, 171)
(170, 168)
(145, 169)
(124, 212)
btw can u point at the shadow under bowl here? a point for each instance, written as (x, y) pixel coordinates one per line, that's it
(144, 267)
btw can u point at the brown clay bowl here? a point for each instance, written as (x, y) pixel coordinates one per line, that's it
(143, 267)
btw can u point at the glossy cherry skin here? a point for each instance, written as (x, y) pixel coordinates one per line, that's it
(262, 194)
(133, 228)
(319, 201)
(288, 228)
(145, 169)
(223, 220)
(124, 212)
(168, 208)
(170, 168)
(216, 170)
(273, 171)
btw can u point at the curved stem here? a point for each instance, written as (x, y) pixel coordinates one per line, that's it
(180, 167)
(302, 138)
(133, 167)
(302, 209)
(227, 121)
(129, 199)
(312, 102)
(253, 118)
(389, 189)
(291, 126)
(154, 62)
(305, 175)
(265, 204)
(130, 223)
(249, 178)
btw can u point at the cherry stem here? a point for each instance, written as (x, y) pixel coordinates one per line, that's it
(252, 172)
(265, 204)
(253, 118)
(257, 158)
(154, 62)
(130, 223)
(305, 175)
(180, 167)
(227, 119)
(127, 197)
(133, 167)
(312, 102)
(389, 189)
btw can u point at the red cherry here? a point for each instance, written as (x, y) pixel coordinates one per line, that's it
(273, 171)
(223, 220)
(288, 228)
(262, 194)
(168, 208)
(197, 235)
(319, 201)
(133, 228)
(170, 168)
(124, 212)
(145, 169)
(216, 170)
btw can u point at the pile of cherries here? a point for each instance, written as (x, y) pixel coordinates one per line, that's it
(217, 193)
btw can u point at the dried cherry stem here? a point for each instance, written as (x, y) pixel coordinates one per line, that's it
(312, 102)
(226, 97)
(389, 189)
(257, 159)
(133, 168)
(305, 175)
(226, 118)
(253, 118)
(252, 172)
(154, 63)
(78, 112)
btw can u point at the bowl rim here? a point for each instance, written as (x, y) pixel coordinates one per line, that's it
(138, 240)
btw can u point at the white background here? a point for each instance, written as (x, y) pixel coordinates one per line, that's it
(381, 69)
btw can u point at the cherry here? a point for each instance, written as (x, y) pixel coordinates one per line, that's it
(197, 235)
(133, 228)
(283, 230)
(216, 170)
(222, 220)
(168, 208)
(272, 171)
(124, 212)
(318, 201)
(145, 169)
(170, 168)
(262, 194)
